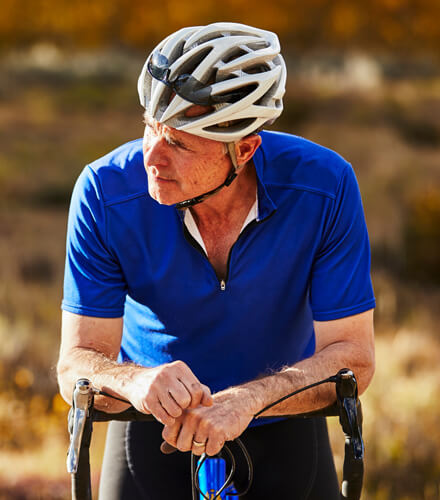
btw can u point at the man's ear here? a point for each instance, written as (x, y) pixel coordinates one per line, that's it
(245, 148)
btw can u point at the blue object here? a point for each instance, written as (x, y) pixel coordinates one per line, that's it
(212, 476)
(306, 258)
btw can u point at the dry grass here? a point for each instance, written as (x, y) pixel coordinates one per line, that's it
(52, 127)
(38, 472)
(402, 409)
(401, 414)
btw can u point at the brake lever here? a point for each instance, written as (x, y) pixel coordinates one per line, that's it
(350, 414)
(81, 402)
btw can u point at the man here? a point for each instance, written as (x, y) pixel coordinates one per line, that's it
(212, 269)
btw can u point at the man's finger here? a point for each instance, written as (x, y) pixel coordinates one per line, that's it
(181, 395)
(170, 433)
(199, 444)
(159, 413)
(167, 449)
(200, 393)
(185, 438)
(207, 399)
(170, 405)
(213, 447)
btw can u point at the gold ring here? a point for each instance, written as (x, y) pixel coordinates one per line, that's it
(196, 443)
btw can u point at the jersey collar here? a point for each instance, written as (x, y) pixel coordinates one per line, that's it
(266, 206)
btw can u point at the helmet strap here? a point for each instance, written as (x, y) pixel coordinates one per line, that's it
(232, 154)
(231, 176)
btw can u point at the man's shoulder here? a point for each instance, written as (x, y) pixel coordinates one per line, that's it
(120, 173)
(290, 161)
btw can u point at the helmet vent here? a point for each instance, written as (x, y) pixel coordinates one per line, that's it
(259, 68)
(260, 44)
(238, 93)
(231, 125)
(191, 64)
(235, 54)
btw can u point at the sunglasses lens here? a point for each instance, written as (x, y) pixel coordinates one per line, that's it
(158, 66)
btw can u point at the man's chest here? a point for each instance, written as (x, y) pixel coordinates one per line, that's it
(158, 256)
(218, 245)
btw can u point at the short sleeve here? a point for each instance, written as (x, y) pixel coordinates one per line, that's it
(340, 283)
(94, 284)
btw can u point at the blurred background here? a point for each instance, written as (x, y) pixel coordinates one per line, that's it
(363, 79)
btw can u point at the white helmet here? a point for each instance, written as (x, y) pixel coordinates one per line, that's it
(236, 69)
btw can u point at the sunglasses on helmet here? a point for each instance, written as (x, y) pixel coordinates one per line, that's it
(186, 86)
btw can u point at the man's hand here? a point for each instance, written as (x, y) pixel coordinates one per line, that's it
(167, 390)
(90, 348)
(205, 430)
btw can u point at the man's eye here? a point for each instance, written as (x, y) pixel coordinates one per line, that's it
(152, 133)
(177, 144)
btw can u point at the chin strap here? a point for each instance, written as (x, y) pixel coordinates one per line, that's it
(231, 176)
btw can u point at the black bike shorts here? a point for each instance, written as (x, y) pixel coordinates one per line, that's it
(292, 459)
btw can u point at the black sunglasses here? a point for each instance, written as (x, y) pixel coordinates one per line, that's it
(186, 86)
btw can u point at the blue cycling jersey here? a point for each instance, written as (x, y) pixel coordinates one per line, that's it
(305, 258)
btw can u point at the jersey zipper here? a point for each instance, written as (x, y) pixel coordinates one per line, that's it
(228, 263)
(196, 245)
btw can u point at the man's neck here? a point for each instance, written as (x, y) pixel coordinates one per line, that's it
(229, 205)
(221, 217)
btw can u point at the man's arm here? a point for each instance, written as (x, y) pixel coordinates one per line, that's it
(89, 348)
(341, 343)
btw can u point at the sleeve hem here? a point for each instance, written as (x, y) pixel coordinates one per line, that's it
(346, 311)
(92, 311)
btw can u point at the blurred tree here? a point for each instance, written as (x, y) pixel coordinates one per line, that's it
(422, 238)
(395, 25)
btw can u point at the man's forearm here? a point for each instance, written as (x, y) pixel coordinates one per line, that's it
(261, 392)
(234, 408)
(105, 373)
(164, 391)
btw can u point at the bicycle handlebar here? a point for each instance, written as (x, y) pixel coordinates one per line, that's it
(131, 414)
(83, 414)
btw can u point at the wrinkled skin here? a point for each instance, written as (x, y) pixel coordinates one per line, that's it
(224, 421)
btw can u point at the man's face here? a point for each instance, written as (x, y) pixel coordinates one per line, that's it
(181, 166)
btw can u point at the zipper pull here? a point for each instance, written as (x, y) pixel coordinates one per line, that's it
(222, 285)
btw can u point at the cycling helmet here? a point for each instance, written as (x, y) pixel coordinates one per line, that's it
(235, 69)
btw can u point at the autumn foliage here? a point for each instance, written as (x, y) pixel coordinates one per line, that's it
(409, 26)
(64, 104)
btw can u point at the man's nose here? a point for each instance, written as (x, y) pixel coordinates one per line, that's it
(155, 152)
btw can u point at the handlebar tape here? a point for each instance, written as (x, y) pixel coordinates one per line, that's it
(131, 414)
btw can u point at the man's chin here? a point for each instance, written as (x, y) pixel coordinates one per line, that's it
(163, 199)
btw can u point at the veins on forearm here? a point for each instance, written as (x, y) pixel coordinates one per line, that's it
(83, 362)
(269, 389)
